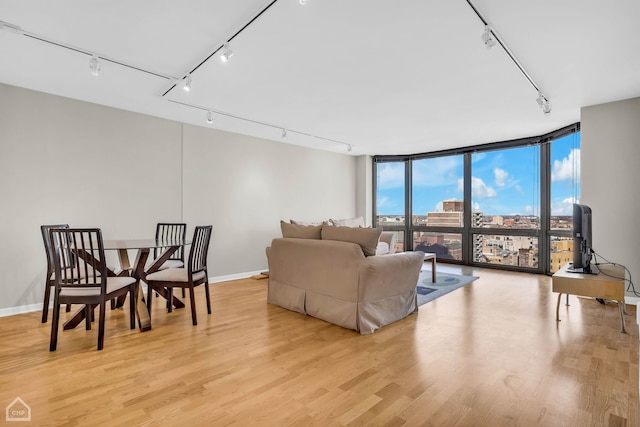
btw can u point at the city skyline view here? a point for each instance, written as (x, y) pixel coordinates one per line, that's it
(504, 182)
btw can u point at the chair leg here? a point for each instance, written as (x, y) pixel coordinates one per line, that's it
(206, 289)
(53, 343)
(193, 305)
(184, 295)
(149, 299)
(101, 322)
(88, 316)
(133, 298)
(170, 299)
(45, 303)
(68, 309)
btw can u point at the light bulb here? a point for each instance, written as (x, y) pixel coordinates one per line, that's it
(94, 65)
(187, 83)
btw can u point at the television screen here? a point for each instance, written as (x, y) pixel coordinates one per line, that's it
(582, 240)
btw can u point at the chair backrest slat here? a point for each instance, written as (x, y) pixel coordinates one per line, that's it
(199, 249)
(174, 232)
(78, 255)
(48, 244)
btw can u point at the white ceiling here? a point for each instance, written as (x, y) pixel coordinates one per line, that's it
(387, 77)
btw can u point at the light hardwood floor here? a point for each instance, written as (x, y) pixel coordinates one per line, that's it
(488, 354)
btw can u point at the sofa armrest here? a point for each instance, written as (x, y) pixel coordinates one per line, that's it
(386, 276)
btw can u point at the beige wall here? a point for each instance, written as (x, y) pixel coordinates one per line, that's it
(67, 161)
(244, 186)
(610, 151)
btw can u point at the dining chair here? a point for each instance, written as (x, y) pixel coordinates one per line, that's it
(170, 231)
(81, 278)
(49, 280)
(194, 274)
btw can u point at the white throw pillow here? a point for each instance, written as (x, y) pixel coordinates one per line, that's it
(348, 222)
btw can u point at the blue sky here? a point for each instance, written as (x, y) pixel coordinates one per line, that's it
(504, 182)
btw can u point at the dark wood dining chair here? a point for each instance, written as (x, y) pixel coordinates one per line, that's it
(175, 232)
(170, 231)
(81, 278)
(194, 274)
(49, 280)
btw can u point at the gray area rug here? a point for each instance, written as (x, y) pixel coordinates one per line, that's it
(445, 283)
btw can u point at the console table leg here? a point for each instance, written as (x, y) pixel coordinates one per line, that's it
(621, 305)
(558, 308)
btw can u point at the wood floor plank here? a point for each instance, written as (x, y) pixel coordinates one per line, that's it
(490, 353)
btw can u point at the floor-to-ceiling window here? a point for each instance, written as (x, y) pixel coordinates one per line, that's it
(505, 205)
(565, 191)
(505, 200)
(437, 214)
(391, 198)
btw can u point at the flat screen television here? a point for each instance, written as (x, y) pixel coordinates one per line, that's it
(582, 239)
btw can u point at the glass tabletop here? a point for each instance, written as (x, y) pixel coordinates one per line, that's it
(143, 243)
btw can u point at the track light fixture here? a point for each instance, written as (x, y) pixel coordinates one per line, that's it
(187, 83)
(544, 103)
(227, 53)
(349, 148)
(487, 37)
(284, 133)
(94, 65)
(209, 116)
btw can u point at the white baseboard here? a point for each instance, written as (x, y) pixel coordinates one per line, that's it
(11, 311)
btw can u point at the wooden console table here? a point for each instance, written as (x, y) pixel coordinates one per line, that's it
(607, 284)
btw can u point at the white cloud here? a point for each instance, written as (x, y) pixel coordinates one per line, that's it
(563, 207)
(567, 168)
(519, 189)
(390, 175)
(501, 177)
(439, 207)
(481, 190)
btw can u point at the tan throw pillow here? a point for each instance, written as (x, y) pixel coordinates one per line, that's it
(300, 231)
(367, 238)
(348, 222)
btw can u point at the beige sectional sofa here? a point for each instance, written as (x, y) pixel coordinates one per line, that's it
(332, 273)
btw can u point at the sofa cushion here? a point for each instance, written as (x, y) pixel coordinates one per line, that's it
(300, 231)
(348, 222)
(367, 238)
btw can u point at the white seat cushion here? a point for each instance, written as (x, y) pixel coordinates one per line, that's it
(170, 263)
(113, 284)
(174, 275)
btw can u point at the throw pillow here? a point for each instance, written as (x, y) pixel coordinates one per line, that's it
(367, 238)
(292, 221)
(301, 231)
(348, 222)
